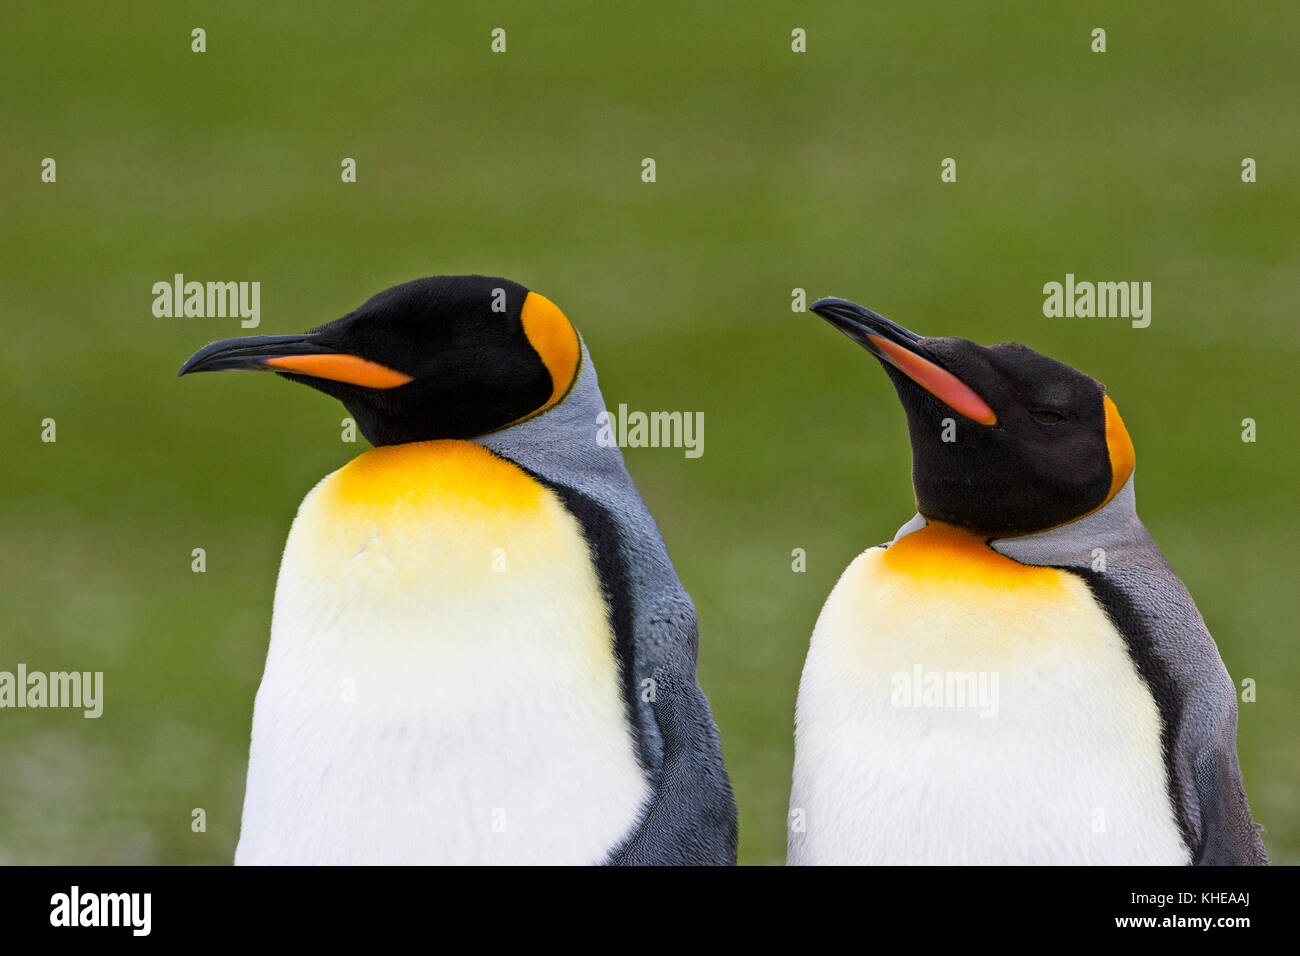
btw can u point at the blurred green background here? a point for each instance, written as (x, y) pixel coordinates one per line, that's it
(776, 170)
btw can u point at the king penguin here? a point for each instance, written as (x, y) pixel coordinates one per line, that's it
(480, 652)
(1018, 677)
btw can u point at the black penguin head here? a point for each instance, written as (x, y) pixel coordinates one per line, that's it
(443, 357)
(1005, 441)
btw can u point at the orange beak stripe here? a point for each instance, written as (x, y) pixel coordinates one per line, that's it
(939, 382)
(341, 367)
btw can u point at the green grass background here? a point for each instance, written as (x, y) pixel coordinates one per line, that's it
(775, 171)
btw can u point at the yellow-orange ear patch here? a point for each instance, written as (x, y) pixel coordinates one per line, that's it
(1120, 448)
(341, 367)
(555, 340)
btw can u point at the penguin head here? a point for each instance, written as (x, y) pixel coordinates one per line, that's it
(1005, 441)
(442, 357)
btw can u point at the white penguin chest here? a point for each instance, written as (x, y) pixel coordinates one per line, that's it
(957, 707)
(441, 685)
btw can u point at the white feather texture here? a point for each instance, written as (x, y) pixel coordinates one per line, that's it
(441, 685)
(1069, 770)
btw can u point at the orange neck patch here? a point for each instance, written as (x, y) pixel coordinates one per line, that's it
(555, 340)
(945, 552)
(399, 479)
(1120, 448)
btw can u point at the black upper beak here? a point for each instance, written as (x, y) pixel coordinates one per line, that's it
(250, 352)
(860, 323)
(902, 350)
(301, 358)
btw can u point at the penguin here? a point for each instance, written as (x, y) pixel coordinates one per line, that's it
(1017, 677)
(480, 651)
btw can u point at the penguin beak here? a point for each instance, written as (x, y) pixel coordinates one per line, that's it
(296, 355)
(891, 343)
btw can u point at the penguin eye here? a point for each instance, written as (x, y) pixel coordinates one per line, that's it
(1046, 416)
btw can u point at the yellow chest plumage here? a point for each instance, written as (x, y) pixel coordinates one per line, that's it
(942, 592)
(391, 482)
(441, 685)
(959, 707)
(407, 521)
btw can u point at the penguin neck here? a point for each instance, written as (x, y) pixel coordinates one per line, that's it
(944, 551)
(1114, 523)
(1080, 542)
(560, 443)
(560, 447)
(391, 480)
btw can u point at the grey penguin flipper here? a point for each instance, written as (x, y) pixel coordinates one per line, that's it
(690, 813)
(1230, 836)
(1178, 660)
(691, 818)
